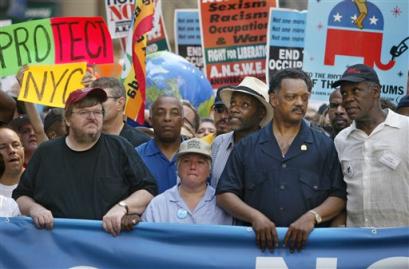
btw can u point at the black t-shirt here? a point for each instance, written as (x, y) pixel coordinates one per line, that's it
(86, 184)
(134, 136)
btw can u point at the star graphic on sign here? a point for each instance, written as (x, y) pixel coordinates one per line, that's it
(396, 11)
(353, 18)
(319, 26)
(311, 58)
(373, 20)
(400, 73)
(337, 17)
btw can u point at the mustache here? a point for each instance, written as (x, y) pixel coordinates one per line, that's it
(297, 109)
(224, 120)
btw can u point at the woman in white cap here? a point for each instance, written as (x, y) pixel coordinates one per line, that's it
(193, 199)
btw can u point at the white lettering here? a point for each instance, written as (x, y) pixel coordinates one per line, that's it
(270, 263)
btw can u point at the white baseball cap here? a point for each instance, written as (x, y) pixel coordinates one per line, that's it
(194, 145)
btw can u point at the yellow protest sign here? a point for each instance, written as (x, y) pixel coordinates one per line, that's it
(51, 84)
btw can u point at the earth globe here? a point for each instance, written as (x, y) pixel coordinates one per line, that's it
(170, 74)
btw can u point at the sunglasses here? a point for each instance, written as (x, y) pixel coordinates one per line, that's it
(220, 109)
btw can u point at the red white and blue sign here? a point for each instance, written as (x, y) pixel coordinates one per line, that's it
(343, 33)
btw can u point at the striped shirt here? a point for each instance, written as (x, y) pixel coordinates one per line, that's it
(221, 149)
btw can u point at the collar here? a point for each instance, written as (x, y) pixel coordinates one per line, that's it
(392, 119)
(174, 195)
(229, 139)
(151, 148)
(304, 134)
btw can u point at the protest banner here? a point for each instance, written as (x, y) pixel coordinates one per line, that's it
(55, 40)
(188, 42)
(119, 16)
(51, 85)
(343, 33)
(157, 37)
(285, 43)
(234, 38)
(84, 244)
(24, 43)
(134, 61)
(82, 39)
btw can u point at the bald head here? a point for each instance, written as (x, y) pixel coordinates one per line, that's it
(166, 99)
(167, 119)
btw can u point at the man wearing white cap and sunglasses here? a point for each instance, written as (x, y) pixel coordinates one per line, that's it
(249, 110)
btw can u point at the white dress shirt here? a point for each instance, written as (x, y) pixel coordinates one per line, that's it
(376, 170)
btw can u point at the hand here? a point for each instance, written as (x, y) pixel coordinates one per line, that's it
(111, 222)
(129, 220)
(298, 232)
(42, 218)
(20, 74)
(266, 233)
(88, 78)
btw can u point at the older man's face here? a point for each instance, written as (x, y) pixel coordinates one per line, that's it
(86, 123)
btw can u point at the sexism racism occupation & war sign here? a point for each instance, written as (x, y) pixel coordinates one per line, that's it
(234, 37)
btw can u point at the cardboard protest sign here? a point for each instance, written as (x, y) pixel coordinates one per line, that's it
(343, 33)
(119, 16)
(82, 39)
(188, 42)
(234, 37)
(285, 40)
(55, 40)
(51, 84)
(23, 43)
(157, 37)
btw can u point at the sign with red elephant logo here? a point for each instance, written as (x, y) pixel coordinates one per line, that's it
(346, 32)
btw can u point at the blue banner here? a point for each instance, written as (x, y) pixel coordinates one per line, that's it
(74, 243)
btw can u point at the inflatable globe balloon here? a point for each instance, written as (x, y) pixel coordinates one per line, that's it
(170, 74)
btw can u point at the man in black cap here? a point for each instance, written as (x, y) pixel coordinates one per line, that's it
(25, 130)
(373, 152)
(54, 125)
(86, 174)
(220, 115)
(403, 106)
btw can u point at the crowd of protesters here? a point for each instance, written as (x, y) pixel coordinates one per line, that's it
(259, 160)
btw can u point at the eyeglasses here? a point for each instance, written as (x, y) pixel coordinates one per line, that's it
(220, 109)
(86, 113)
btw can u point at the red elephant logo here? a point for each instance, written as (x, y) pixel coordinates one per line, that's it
(355, 28)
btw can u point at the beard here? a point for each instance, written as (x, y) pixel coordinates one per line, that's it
(82, 137)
